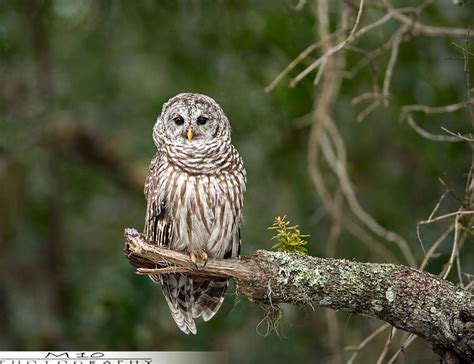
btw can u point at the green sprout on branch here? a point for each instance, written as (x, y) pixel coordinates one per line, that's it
(289, 238)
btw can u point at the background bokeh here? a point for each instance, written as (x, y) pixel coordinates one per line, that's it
(81, 84)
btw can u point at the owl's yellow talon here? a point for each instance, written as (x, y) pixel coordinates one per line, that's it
(204, 257)
(193, 259)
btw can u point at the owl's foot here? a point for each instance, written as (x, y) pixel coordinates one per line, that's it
(203, 257)
(192, 257)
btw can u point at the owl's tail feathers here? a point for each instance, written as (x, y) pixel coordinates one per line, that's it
(208, 297)
(189, 299)
(178, 291)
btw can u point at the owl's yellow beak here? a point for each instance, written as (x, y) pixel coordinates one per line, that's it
(189, 134)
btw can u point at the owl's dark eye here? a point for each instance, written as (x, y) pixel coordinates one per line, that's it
(201, 120)
(178, 120)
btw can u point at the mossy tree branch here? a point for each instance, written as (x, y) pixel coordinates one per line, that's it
(407, 298)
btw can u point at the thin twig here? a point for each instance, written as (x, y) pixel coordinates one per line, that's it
(393, 59)
(366, 96)
(382, 355)
(458, 135)
(459, 269)
(466, 55)
(438, 204)
(442, 217)
(300, 5)
(311, 48)
(407, 109)
(339, 46)
(368, 110)
(364, 342)
(336, 226)
(430, 253)
(455, 250)
(402, 348)
(427, 135)
(369, 58)
(469, 286)
(321, 69)
(418, 29)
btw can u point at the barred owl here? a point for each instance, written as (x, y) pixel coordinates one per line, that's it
(194, 193)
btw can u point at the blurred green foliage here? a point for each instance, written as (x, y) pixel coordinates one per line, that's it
(81, 83)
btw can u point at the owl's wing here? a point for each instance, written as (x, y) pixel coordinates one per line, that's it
(177, 289)
(158, 227)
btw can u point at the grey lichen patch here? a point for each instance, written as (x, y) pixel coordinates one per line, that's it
(390, 294)
(365, 280)
(462, 296)
(377, 307)
(380, 272)
(293, 266)
(351, 277)
(355, 275)
(326, 301)
(282, 275)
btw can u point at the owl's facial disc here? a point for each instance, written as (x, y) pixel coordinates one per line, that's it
(190, 119)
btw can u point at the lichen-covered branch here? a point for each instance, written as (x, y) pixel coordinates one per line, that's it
(407, 298)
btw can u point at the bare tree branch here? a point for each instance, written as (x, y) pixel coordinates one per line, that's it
(421, 30)
(425, 134)
(407, 298)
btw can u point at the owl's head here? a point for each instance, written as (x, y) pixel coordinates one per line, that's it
(189, 118)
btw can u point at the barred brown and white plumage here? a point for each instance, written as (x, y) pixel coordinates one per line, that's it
(194, 194)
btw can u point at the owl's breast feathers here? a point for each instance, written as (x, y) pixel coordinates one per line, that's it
(197, 199)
